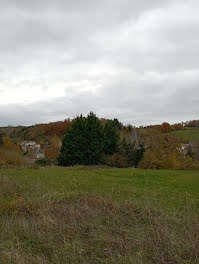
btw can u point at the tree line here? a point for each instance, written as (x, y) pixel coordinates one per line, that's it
(93, 141)
(89, 142)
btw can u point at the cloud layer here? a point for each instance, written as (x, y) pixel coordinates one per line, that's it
(134, 60)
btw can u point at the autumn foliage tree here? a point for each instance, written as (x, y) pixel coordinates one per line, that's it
(58, 128)
(43, 132)
(10, 153)
(52, 151)
(166, 155)
(178, 126)
(8, 144)
(165, 127)
(192, 123)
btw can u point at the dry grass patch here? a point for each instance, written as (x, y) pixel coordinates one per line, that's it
(94, 229)
(58, 215)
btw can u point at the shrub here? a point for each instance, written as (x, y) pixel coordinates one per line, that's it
(133, 153)
(10, 153)
(43, 162)
(177, 126)
(116, 160)
(167, 156)
(52, 152)
(11, 158)
(165, 127)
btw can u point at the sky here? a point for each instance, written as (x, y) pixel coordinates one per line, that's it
(135, 60)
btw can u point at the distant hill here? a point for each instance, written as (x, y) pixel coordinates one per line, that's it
(41, 133)
(13, 132)
(188, 134)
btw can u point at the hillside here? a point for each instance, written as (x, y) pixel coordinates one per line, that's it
(187, 135)
(13, 132)
(155, 145)
(41, 133)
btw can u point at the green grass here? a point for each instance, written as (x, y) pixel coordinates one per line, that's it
(187, 135)
(95, 215)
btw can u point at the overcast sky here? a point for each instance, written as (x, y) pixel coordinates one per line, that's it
(135, 60)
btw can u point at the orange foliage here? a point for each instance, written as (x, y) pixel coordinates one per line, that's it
(178, 126)
(10, 154)
(165, 127)
(52, 152)
(55, 128)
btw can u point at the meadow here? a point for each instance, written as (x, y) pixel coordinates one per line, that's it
(99, 215)
(188, 134)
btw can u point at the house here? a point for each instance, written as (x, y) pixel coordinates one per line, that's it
(185, 148)
(32, 148)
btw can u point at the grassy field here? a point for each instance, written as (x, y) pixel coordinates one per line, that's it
(188, 135)
(95, 215)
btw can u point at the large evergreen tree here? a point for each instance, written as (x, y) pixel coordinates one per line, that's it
(110, 138)
(84, 143)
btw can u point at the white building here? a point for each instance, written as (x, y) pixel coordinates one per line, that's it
(32, 147)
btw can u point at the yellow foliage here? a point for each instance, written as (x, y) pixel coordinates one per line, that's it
(8, 144)
(166, 156)
(10, 154)
(11, 158)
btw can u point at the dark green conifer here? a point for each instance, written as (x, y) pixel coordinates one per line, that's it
(110, 138)
(84, 143)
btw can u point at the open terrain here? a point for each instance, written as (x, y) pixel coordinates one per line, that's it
(188, 134)
(96, 215)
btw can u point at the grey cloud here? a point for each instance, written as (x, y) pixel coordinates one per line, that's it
(177, 107)
(135, 60)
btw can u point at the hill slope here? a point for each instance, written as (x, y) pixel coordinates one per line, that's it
(187, 135)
